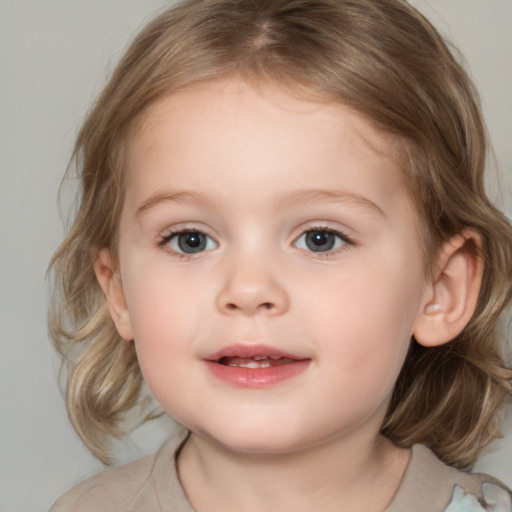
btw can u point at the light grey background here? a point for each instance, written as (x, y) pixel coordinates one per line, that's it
(55, 56)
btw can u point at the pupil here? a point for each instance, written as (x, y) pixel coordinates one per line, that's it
(319, 241)
(191, 242)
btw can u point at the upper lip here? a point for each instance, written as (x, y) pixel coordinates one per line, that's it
(247, 351)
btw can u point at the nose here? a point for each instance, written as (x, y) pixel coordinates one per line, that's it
(250, 287)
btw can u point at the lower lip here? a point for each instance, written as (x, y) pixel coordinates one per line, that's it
(256, 377)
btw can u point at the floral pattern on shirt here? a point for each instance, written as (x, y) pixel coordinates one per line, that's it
(496, 499)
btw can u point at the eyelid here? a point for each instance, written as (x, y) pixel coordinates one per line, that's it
(174, 232)
(324, 225)
(347, 240)
(186, 227)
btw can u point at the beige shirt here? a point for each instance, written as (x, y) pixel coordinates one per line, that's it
(151, 484)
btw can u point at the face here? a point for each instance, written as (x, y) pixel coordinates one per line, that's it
(270, 264)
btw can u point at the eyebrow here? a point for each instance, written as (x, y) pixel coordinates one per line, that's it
(297, 197)
(177, 197)
(333, 196)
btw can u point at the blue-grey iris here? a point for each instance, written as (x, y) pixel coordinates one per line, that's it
(191, 242)
(320, 241)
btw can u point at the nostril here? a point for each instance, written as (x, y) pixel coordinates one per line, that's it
(230, 306)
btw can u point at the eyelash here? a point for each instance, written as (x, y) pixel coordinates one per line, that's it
(168, 237)
(345, 239)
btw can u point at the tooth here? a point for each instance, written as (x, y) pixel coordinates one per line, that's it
(249, 364)
(260, 358)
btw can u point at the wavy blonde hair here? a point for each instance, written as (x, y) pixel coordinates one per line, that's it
(385, 61)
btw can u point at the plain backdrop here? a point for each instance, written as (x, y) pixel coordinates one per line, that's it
(55, 55)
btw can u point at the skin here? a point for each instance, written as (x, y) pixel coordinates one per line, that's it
(254, 169)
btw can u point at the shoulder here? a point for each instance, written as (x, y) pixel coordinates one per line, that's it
(140, 485)
(429, 485)
(491, 496)
(110, 490)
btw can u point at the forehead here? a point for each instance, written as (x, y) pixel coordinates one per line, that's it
(230, 129)
(230, 96)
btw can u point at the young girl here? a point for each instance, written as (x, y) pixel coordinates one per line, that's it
(283, 230)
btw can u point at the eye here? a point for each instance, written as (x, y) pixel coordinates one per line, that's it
(321, 240)
(189, 242)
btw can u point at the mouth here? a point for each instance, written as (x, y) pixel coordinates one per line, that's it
(251, 366)
(255, 362)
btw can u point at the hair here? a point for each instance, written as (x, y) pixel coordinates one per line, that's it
(385, 61)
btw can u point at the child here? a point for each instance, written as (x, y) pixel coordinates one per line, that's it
(283, 229)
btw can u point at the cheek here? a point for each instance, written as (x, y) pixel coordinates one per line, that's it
(161, 345)
(157, 297)
(159, 310)
(365, 321)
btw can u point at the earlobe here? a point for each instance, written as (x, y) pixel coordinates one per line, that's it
(451, 301)
(110, 282)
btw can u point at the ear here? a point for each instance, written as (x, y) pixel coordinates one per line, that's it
(110, 282)
(451, 299)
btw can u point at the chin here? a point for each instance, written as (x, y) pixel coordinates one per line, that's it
(257, 439)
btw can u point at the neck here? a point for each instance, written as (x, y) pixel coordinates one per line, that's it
(341, 474)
